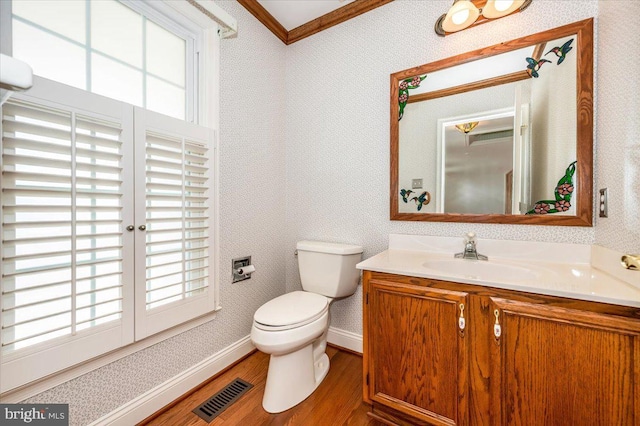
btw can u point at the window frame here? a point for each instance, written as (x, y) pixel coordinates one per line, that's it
(159, 13)
(116, 333)
(25, 365)
(206, 84)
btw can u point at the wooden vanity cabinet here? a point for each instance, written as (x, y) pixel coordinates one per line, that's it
(418, 359)
(516, 358)
(557, 366)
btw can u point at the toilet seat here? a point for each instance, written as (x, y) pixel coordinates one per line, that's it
(291, 310)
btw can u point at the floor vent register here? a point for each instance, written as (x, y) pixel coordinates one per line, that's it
(214, 406)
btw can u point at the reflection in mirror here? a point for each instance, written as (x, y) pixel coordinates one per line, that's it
(517, 164)
(476, 167)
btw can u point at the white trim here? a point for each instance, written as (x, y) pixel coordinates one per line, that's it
(6, 45)
(29, 390)
(345, 339)
(151, 401)
(156, 398)
(209, 109)
(211, 15)
(186, 29)
(442, 123)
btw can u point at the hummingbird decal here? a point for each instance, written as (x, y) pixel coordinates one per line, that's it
(561, 52)
(423, 199)
(405, 194)
(534, 66)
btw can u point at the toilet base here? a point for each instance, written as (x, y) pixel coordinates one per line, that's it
(293, 377)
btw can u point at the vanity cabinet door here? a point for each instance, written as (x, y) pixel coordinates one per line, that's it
(557, 366)
(416, 354)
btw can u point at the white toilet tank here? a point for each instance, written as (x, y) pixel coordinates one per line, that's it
(329, 268)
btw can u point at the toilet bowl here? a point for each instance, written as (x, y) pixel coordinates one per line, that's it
(298, 363)
(292, 328)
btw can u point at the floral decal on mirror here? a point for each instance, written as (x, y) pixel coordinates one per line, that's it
(422, 200)
(560, 51)
(403, 91)
(563, 193)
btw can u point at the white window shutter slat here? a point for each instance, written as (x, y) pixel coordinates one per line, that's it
(172, 255)
(76, 283)
(65, 262)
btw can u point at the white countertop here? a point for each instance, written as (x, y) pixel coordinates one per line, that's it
(542, 273)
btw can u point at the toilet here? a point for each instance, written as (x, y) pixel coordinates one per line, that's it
(292, 328)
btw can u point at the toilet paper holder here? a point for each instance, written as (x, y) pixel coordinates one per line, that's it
(242, 268)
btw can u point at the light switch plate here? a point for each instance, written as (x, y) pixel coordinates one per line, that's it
(602, 203)
(416, 183)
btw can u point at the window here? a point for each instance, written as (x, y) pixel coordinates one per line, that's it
(82, 273)
(123, 50)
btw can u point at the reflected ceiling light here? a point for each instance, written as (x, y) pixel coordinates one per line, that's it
(467, 127)
(466, 13)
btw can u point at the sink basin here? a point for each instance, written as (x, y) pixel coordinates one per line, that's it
(481, 270)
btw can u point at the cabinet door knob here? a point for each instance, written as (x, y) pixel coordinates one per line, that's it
(461, 320)
(497, 329)
(130, 228)
(142, 227)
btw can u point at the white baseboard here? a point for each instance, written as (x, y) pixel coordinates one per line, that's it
(345, 339)
(151, 401)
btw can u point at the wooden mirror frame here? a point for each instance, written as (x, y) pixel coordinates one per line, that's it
(584, 135)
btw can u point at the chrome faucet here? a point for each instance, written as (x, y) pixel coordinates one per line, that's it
(470, 251)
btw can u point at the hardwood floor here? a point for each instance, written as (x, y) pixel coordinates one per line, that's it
(337, 401)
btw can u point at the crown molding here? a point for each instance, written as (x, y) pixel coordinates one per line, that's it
(321, 23)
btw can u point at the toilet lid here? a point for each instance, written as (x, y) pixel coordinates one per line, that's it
(291, 308)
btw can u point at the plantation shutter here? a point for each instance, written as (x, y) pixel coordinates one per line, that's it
(172, 252)
(67, 262)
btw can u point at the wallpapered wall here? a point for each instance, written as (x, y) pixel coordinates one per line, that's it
(617, 142)
(304, 153)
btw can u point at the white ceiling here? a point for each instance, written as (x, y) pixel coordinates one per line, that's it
(293, 13)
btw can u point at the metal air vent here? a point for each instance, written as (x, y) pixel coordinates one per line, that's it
(211, 408)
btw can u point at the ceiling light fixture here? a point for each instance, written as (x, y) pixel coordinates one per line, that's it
(467, 13)
(467, 127)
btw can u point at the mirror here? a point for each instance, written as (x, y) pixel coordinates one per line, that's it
(503, 134)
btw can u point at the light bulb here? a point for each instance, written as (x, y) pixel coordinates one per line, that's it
(462, 14)
(460, 17)
(502, 5)
(499, 8)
